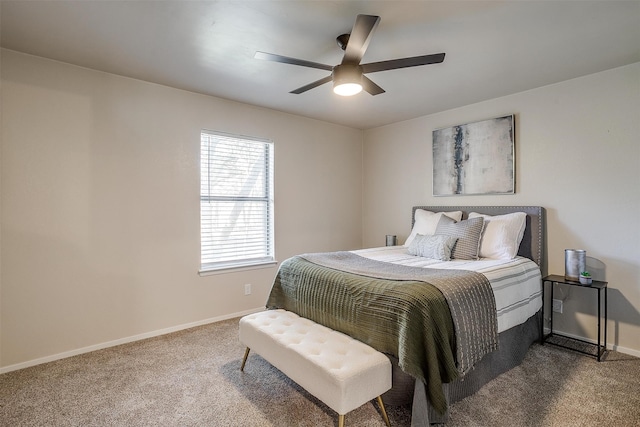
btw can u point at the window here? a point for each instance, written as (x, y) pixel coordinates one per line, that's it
(236, 201)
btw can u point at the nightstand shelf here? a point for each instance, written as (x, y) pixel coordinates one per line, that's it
(565, 341)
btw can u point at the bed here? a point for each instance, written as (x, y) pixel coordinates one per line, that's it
(448, 326)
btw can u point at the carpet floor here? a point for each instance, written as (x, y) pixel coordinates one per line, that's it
(193, 378)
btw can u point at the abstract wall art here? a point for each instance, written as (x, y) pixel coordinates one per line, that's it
(475, 158)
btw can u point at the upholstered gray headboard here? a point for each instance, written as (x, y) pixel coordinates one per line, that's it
(533, 245)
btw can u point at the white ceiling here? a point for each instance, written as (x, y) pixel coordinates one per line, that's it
(493, 48)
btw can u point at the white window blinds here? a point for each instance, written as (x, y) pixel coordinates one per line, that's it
(236, 201)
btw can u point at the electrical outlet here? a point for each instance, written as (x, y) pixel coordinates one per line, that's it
(557, 306)
(247, 289)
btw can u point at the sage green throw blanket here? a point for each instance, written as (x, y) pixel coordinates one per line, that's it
(438, 323)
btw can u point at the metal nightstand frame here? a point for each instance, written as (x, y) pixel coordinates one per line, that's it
(596, 284)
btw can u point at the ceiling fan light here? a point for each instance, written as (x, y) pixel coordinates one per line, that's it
(347, 80)
(347, 89)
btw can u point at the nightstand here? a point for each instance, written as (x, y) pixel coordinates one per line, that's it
(600, 288)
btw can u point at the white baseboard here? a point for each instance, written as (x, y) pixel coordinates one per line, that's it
(625, 350)
(126, 340)
(629, 351)
(64, 355)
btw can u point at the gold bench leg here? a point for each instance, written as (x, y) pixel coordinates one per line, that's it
(244, 360)
(384, 412)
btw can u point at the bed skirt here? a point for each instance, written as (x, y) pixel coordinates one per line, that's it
(513, 346)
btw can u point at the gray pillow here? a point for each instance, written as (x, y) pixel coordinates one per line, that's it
(434, 247)
(445, 220)
(468, 233)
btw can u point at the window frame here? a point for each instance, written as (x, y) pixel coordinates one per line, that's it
(266, 197)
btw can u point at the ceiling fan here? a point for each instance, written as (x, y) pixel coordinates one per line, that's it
(349, 76)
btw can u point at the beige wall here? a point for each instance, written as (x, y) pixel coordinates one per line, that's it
(100, 206)
(99, 199)
(577, 154)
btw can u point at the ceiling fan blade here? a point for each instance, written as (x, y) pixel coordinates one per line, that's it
(393, 64)
(293, 61)
(312, 85)
(371, 87)
(359, 39)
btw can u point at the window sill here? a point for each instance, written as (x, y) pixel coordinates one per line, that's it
(237, 268)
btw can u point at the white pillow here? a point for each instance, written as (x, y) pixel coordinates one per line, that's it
(425, 222)
(502, 234)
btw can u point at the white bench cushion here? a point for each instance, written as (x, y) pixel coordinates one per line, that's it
(342, 372)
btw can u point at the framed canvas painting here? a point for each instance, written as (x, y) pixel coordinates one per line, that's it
(475, 158)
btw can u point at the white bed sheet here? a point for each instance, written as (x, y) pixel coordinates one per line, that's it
(516, 283)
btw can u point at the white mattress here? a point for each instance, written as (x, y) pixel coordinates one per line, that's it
(517, 283)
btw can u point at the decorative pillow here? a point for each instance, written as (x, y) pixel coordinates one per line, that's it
(502, 234)
(435, 247)
(426, 222)
(468, 233)
(445, 220)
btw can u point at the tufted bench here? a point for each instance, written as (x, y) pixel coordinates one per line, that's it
(342, 372)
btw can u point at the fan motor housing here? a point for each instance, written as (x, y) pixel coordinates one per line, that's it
(347, 73)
